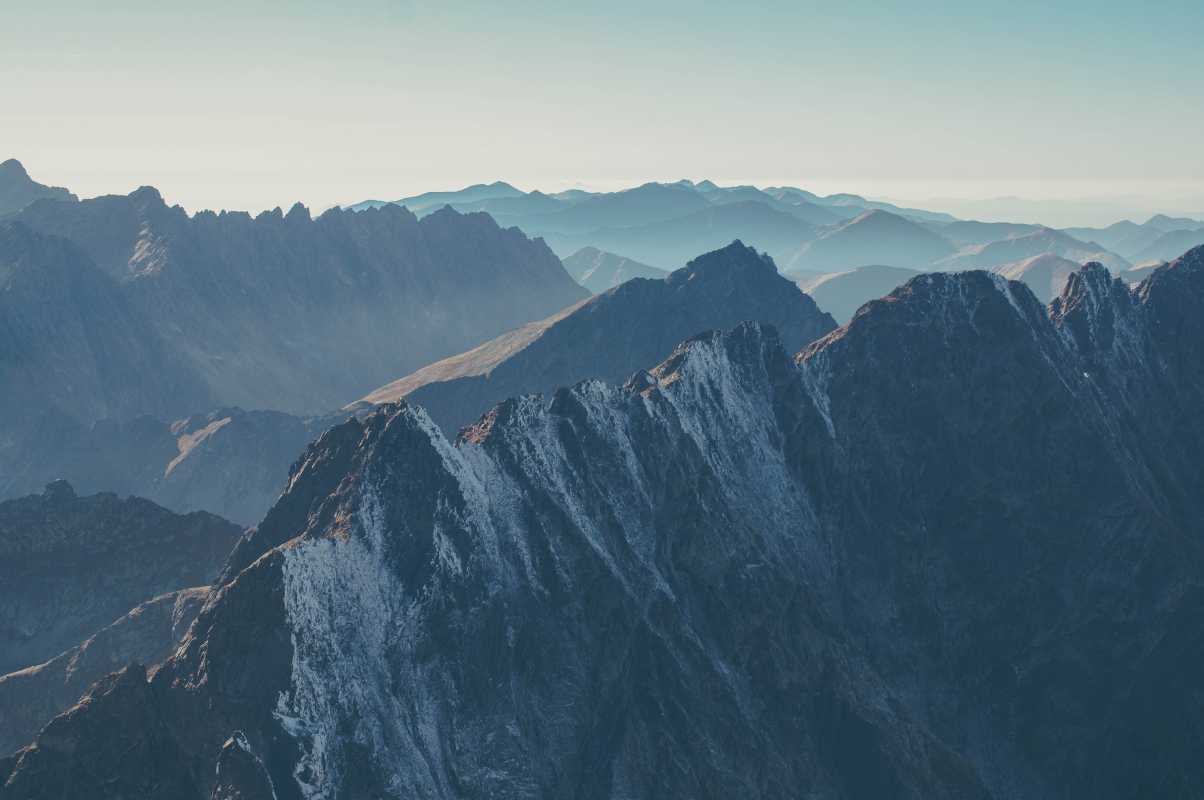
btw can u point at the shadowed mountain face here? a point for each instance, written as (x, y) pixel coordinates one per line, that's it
(875, 237)
(842, 293)
(599, 271)
(18, 190)
(72, 565)
(295, 314)
(952, 550)
(613, 335)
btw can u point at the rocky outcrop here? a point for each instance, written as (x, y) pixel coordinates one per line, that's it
(938, 554)
(613, 335)
(71, 565)
(147, 634)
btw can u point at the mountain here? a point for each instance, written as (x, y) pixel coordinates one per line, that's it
(1045, 275)
(1170, 245)
(74, 564)
(613, 335)
(1018, 248)
(875, 237)
(1125, 238)
(430, 201)
(952, 550)
(18, 190)
(651, 202)
(842, 293)
(1167, 224)
(670, 242)
(599, 271)
(279, 311)
(72, 340)
(795, 205)
(964, 232)
(147, 634)
(229, 461)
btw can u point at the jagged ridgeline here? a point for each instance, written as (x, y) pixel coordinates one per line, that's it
(951, 550)
(161, 313)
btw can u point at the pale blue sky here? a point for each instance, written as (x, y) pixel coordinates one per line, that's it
(242, 104)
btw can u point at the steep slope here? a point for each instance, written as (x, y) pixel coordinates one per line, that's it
(147, 634)
(73, 344)
(842, 293)
(875, 237)
(613, 335)
(949, 551)
(1019, 248)
(1045, 275)
(74, 564)
(1169, 245)
(296, 314)
(18, 190)
(600, 271)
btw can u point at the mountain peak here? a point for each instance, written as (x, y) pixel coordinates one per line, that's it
(12, 168)
(735, 257)
(18, 190)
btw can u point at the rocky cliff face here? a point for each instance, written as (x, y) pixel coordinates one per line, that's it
(290, 313)
(614, 334)
(71, 565)
(953, 549)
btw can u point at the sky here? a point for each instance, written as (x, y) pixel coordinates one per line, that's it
(1096, 105)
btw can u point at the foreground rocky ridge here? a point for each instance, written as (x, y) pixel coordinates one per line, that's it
(952, 550)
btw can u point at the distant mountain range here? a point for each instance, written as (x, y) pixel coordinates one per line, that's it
(665, 224)
(842, 293)
(1019, 247)
(599, 271)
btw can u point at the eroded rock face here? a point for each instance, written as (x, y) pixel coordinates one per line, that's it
(71, 565)
(948, 551)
